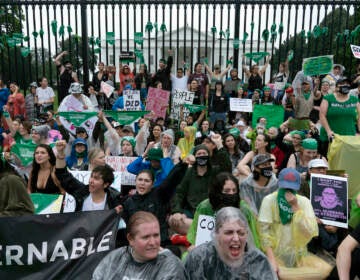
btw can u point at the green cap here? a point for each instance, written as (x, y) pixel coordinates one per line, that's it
(235, 132)
(155, 154)
(265, 88)
(298, 132)
(309, 144)
(130, 139)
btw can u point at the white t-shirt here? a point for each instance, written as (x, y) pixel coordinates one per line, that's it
(179, 83)
(44, 94)
(90, 205)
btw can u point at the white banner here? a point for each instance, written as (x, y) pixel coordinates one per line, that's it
(205, 227)
(119, 164)
(84, 177)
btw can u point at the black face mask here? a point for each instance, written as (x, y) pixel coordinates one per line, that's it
(202, 160)
(221, 200)
(266, 172)
(344, 89)
(256, 175)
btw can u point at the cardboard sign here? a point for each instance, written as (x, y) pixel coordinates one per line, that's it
(120, 164)
(157, 101)
(132, 100)
(241, 105)
(355, 50)
(84, 177)
(180, 97)
(314, 66)
(329, 198)
(106, 88)
(205, 227)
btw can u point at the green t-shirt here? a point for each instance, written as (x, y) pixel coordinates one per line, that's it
(21, 140)
(341, 116)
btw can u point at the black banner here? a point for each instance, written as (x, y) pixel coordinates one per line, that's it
(56, 246)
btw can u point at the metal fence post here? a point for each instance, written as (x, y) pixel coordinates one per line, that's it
(84, 42)
(236, 34)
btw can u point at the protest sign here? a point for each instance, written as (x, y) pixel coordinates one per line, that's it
(180, 97)
(84, 177)
(56, 246)
(241, 105)
(106, 89)
(329, 198)
(125, 117)
(205, 227)
(126, 57)
(24, 152)
(131, 100)
(120, 164)
(355, 50)
(157, 101)
(313, 66)
(273, 114)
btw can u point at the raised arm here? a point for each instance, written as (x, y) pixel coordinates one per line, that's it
(263, 69)
(57, 60)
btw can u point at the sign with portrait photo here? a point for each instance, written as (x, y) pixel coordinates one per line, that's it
(329, 198)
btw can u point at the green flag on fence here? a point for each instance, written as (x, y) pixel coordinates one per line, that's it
(125, 117)
(256, 56)
(194, 108)
(274, 114)
(77, 118)
(24, 152)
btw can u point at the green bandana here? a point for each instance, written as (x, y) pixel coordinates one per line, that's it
(81, 155)
(307, 95)
(285, 209)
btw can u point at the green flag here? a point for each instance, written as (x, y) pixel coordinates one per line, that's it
(24, 152)
(125, 117)
(77, 118)
(110, 37)
(274, 114)
(46, 203)
(256, 56)
(139, 38)
(194, 108)
(319, 65)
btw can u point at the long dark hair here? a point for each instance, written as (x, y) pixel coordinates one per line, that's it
(36, 167)
(236, 148)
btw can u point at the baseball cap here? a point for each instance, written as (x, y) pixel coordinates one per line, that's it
(343, 80)
(115, 124)
(80, 129)
(289, 178)
(260, 159)
(240, 123)
(318, 162)
(128, 128)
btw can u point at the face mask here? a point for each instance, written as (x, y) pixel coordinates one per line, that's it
(256, 175)
(344, 89)
(230, 200)
(81, 155)
(266, 172)
(202, 160)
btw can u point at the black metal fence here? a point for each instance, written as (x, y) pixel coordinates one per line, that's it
(32, 33)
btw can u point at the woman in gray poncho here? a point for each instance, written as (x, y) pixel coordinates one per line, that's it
(231, 254)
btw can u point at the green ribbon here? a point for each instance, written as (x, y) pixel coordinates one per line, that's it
(213, 29)
(290, 55)
(35, 34)
(76, 38)
(346, 34)
(227, 33)
(265, 35)
(273, 37)
(110, 37)
(24, 51)
(54, 27)
(139, 38)
(156, 26)
(194, 108)
(18, 37)
(77, 118)
(163, 27)
(24, 152)
(97, 50)
(273, 27)
(97, 42)
(61, 30)
(252, 24)
(149, 27)
(229, 62)
(256, 56)
(41, 33)
(309, 34)
(245, 37)
(325, 31)
(91, 40)
(26, 38)
(236, 43)
(281, 28)
(11, 42)
(69, 29)
(302, 34)
(221, 34)
(125, 117)
(317, 31)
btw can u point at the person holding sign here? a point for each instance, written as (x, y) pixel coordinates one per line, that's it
(231, 254)
(286, 225)
(144, 258)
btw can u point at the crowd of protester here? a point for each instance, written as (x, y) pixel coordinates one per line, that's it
(253, 179)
